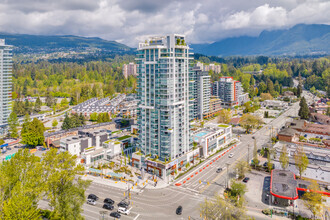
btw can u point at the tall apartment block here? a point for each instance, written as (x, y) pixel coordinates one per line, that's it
(164, 99)
(5, 83)
(229, 91)
(129, 69)
(201, 93)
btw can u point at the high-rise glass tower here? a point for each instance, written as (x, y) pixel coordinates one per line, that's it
(5, 83)
(163, 90)
(200, 92)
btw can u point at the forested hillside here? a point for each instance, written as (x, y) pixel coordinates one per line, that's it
(78, 82)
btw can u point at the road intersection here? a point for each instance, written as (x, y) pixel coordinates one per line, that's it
(162, 203)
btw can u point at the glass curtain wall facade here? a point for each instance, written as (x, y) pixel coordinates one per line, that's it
(5, 83)
(164, 68)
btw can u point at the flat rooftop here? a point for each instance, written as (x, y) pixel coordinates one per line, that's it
(283, 185)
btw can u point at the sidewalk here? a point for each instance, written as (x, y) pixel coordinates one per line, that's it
(139, 185)
(258, 215)
(205, 163)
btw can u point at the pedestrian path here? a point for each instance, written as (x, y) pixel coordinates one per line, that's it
(137, 186)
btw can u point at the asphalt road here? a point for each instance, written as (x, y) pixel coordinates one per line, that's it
(161, 203)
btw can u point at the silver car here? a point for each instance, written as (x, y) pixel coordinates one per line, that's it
(91, 202)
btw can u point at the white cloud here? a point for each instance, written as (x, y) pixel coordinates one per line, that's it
(130, 21)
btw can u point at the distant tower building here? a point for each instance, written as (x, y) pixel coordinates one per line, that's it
(201, 93)
(164, 95)
(5, 84)
(229, 91)
(216, 68)
(129, 69)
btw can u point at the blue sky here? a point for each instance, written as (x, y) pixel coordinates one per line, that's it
(130, 21)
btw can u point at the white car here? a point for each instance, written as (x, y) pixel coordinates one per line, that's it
(91, 202)
(231, 155)
(123, 210)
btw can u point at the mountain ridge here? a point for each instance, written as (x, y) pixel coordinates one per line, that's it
(301, 39)
(27, 43)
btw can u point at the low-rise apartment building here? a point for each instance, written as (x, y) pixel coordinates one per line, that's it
(212, 138)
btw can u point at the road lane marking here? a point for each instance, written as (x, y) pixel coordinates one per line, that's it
(220, 175)
(137, 217)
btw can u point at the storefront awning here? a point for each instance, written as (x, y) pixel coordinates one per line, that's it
(92, 170)
(112, 174)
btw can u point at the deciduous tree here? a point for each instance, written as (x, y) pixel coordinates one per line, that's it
(54, 123)
(65, 191)
(219, 208)
(312, 199)
(266, 96)
(224, 116)
(250, 122)
(284, 158)
(300, 159)
(33, 133)
(242, 167)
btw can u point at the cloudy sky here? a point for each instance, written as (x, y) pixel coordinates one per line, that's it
(130, 21)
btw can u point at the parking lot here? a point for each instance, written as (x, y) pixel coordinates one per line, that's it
(95, 212)
(258, 190)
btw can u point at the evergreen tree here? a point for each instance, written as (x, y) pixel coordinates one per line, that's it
(37, 106)
(270, 87)
(27, 106)
(66, 123)
(73, 100)
(13, 124)
(304, 110)
(81, 120)
(299, 88)
(25, 88)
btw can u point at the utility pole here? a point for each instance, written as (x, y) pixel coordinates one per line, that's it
(248, 156)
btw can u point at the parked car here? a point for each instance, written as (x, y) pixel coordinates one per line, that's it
(246, 179)
(219, 170)
(231, 155)
(115, 214)
(123, 210)
(92, 196)
(179, 210)
(123, 204)
(91, 202)
(108, 206)
(109, 201)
